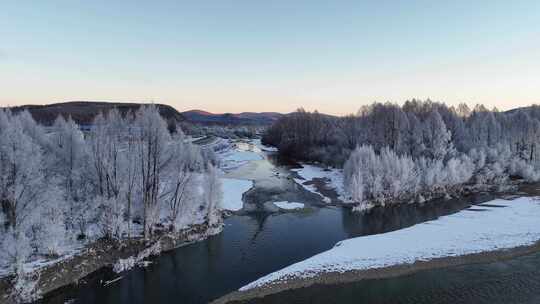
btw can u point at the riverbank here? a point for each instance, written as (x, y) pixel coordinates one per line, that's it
(104, 253)
(92, 256)
(327, 183)
(331, 278)
(490, 231)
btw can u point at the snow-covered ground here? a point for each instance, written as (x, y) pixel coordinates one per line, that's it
(233, 189)
(333, 176)
(479, 229)
(69, 251)
(289, 205)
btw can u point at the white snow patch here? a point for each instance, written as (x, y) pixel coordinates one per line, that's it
(462, 233)
(233, 189)
(289, 205)
(257, 142)
(241, 156)
(238, 155)
(191, 139)
(309, 172)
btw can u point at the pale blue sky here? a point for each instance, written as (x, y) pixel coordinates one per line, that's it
(230, 56)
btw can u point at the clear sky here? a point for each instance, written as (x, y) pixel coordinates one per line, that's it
(232, 56)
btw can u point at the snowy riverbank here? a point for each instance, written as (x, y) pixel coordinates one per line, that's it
(102, 253)
(233, 190)
(86, 256)
(328, 183)
(490, 229)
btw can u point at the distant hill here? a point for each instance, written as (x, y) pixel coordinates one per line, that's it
(83, 112)
(245, 118)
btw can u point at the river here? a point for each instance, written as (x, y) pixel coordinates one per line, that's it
(259, 241)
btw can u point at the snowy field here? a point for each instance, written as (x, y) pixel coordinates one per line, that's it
(233, 189)
(480, 228)
(334, 178)
(289, 205)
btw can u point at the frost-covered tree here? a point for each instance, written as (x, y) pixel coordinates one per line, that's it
(61, 187)
(212, 195)
(152, 155)
(22, 191)
(67, 165)
(371, 176)
(184, 180)
(437, 138)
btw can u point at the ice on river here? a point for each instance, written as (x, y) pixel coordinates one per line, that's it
(289, 205)
(238, 154)
(233, 189)
(481, 228)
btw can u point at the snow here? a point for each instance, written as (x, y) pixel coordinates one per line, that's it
(462, 233)
(233, 189)
(236, 154)
(333, 176)
(191, 139)
(289, 205)
(241, 156)
(34, 263)
(126, 264)
(262, 147)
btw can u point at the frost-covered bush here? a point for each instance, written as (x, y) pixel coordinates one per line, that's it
(494, 165)
(14, 249)
(431, 173)
(523, 169)
(386, 176)
(111, 218)
(51, 235)
(369, 176)
(398, 173)
(459, 170)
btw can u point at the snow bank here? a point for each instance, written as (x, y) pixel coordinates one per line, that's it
(289, 205)
(466, 232)
(333, 176)
(232, 193)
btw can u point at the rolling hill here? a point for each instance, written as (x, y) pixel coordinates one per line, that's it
(83, 112)
(244, 118)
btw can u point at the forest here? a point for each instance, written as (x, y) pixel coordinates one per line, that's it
(126, 177)
(390, 152)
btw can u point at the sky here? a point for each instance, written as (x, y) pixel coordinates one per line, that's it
(234, 56)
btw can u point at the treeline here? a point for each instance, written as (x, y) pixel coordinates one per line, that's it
(389, 151)
(127, 176)
(227, 131)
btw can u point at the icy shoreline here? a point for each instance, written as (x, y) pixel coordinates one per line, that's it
(105, 253)
(495, 230)
(491, 226)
